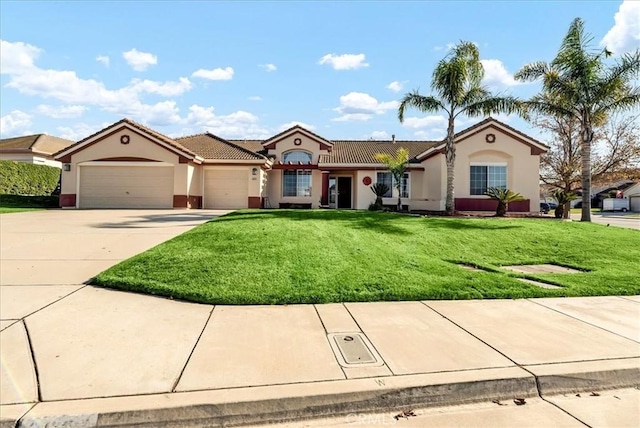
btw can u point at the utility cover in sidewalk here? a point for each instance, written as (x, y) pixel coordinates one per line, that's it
(353, 349)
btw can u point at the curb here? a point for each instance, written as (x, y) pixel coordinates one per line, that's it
(285, 403)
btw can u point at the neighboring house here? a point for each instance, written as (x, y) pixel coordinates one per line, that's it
(633, 193)
(38, 149)
(129, 165)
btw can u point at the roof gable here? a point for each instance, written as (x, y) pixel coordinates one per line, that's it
(536, 146)
(38, 143)
(273, 141)
(153, 136)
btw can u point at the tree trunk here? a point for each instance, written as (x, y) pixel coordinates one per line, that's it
(587, 137)
(502, 209)
(400, 197)
(566, 213)
(450, 155)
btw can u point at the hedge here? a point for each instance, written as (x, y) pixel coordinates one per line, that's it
(22, 178)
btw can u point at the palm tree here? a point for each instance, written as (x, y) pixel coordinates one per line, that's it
(503, 196)
(578, 84)
(457, 82)
(397, 166)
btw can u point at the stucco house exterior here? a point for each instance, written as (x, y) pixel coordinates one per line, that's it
(37, 149)
(127, 165)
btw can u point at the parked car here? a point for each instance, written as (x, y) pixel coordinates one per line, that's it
(544, 208)
(552, 205)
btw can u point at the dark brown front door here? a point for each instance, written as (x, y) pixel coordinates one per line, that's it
(344, 192)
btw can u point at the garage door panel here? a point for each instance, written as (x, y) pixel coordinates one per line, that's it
(226, 189)
(126, 187)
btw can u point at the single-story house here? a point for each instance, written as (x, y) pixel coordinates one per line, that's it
(38, 149)
(127, 165)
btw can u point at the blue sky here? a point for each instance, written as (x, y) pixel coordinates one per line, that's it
(251, 69)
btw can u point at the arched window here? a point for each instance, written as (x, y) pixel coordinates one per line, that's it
(295, 156)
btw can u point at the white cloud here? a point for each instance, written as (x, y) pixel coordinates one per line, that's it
(624, 36)
(166, 89)
(103, 60)
(448, 47)
(69, 88)
(269, 67)
(496, 75)
(438, 122)
(255, 98)
(285, 126)
(353, 117)
(431, 134)
(240, 124)
(395, 86)
(358, 106)
(345, 61)
(17, 57)
(61, 112)
(139, 61)
(16, 122)
(379, 135)
(78, 131)
(215, 74)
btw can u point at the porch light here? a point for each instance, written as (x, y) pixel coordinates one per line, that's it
(66, 166)
(254, 171)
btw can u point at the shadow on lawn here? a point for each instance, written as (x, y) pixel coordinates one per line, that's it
(389, 223)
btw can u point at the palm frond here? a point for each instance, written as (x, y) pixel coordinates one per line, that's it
(532, 71)
(424, 104)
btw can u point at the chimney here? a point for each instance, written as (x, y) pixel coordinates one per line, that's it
(393, 138)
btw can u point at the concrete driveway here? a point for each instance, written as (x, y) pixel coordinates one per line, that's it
(619, 219)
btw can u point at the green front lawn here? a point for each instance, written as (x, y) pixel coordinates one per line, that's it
(19, 203)
(290, 256)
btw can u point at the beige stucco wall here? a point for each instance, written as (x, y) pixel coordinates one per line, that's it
(30, 158)
(111, 147)
(194, 179)
(523, 168)
(274, 190)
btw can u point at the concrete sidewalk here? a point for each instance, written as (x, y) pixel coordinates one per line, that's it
(78, 354)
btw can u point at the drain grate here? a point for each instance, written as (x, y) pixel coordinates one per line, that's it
(353, 350)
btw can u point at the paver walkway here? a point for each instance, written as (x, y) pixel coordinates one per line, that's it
(72, 349)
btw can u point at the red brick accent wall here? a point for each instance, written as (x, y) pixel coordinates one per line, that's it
(473, 204)
(195, 202)
(67, 200)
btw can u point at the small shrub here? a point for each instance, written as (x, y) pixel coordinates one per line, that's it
(374, 207)
(21, 178)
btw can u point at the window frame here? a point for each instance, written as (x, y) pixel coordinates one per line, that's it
(393, 192)
(296, 151)
(488, 176)
(299, 191)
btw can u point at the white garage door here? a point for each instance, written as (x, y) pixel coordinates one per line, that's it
(126, 187)
(226, 189)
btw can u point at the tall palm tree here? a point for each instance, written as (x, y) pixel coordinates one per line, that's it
(579, 84)
(457, 82)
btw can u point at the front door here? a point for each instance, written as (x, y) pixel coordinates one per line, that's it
(344, 192)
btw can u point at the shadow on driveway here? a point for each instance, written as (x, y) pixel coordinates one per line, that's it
(142, 221)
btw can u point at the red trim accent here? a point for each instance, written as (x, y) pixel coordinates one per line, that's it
(67, 200)
(324, 199)
(474, 204)
(180, 201)
(366, 181)
(195, 202)
(254, 202)
(364, 168)
(295, 166)
(125, 159)
(272, 145)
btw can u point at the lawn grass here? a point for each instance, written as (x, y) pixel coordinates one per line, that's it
(19, 203)
(289, 256)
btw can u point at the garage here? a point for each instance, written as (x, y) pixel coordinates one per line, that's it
(226, 188)
(634, 203)
(126, 186)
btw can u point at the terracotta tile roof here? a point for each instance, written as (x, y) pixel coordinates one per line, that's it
(298, 127)
(510, 128)
(41, 143)
(253, 145)
(140, 127)
(210, 146)
(359, 151)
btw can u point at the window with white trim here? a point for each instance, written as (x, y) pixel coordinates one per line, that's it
(484, 176)
(296, 182)
(295, 156)
(387, 178)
